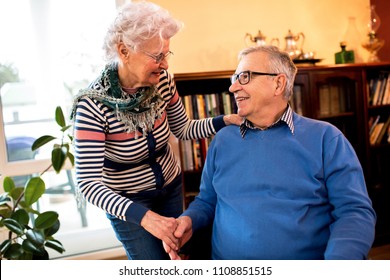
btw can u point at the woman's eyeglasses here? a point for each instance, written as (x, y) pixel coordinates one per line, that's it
(160, 57)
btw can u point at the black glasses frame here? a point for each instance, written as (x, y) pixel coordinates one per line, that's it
(158, 58)
(238, 76)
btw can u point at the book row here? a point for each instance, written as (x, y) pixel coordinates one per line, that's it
(379, 90)
(198, 106)
(334, 99)
(379, 129)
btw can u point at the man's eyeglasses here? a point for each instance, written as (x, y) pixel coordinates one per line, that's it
(245, 76)
(160, 57)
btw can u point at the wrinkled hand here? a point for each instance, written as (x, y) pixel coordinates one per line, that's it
(183, 233)
(232, 119)
(161, 227)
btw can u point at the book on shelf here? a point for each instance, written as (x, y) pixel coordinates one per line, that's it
(324, 97)
(383, 132)
(296, 99)
(187, 155)
(375, 133)
(379, 130)
(334, 99)
(386, 94)
(372, 122)
(379, 89)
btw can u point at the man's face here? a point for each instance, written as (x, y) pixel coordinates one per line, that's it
(257, 95)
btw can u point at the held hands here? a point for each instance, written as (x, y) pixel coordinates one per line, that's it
(232, 119)
(183, 233)
(161, 227)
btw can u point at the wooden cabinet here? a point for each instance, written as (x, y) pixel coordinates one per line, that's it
(340, 94)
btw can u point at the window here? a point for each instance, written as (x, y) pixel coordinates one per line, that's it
(49, 50)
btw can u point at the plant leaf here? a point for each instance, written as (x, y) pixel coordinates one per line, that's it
(50, 231)
(46, 220)
(34, 190)
(29, 246)
(58, 157)
(4, 198)
(14, 251)
(5, 212)
(55, 245)
(60, 117)
(14, 226)
(42, 141)
(5, 245)
(71, 158)
(21, 216)
(15, 193)
(36, 237)
(65, 128)
(8, 184)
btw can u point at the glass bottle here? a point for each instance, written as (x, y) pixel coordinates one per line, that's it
(352, 38)
(344, 56)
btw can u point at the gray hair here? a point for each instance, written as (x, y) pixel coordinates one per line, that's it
(279, 62)
(137, 22)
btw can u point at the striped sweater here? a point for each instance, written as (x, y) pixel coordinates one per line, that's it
(111, 163)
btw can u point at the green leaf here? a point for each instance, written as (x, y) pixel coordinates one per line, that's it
(60, 117)
(42, 141)
(4, 199)
(26, 256)
(50, 231)
(71, 158)
(16, 192)
(5, 212)
(46, 220)
(14, 251)
(29, 246)
(21, 216)
(5, 245)
(14, 226)
(36, 237)
(55, 245)
(58, 157)
(8, 184)
(35, 188)
(65, 128)
(70, 137)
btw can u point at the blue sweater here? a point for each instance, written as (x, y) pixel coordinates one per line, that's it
(278, 195)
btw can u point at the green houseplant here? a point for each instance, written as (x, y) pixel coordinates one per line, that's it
(30, 232)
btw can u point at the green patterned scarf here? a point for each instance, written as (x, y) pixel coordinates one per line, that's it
(137, 111)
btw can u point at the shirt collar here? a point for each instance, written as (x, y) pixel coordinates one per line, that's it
(287, 118)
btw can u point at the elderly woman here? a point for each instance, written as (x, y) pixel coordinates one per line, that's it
(123, 121)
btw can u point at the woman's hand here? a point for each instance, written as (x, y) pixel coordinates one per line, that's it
(232, 119)
(161, 227)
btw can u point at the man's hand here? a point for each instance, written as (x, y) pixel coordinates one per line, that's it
(183, 233)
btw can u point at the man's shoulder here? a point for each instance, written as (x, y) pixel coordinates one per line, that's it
(314, 125)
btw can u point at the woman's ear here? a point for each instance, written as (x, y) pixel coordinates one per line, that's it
(123, 51)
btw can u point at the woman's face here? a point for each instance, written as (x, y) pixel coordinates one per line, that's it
(140, 68)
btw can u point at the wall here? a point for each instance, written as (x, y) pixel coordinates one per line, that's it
(382, 7)
(214, 30)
